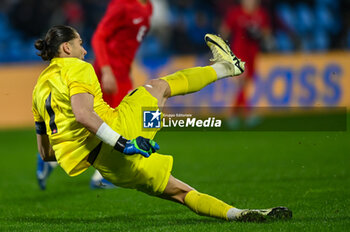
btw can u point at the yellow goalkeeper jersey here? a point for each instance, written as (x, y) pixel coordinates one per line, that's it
(71, 141)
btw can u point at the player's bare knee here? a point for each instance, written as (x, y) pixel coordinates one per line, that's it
(158, 86)
(159, 89)
(153, 85)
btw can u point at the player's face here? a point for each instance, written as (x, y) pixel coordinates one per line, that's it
(78, 50)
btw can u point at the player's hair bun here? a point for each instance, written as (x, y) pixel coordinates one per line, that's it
(43, 47)
(49, 47)
(40, 44)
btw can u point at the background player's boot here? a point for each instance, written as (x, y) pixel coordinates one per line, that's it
(98, 182)
(223, 54)
(43, 171)
(101, 184)
(260, 215)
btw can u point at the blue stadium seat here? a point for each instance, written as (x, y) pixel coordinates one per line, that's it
(326, 20)
(15, 50)
(152, 54)
(30, 51)
(305, 19)
(4, 28)
(321, 40)
(283, 42)
(200, 24)
(286, 15)
(90, 52)
(3, 52)
(334, 4)
(307, 44)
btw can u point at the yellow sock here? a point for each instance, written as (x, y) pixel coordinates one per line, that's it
(204, 204)
(190, 80)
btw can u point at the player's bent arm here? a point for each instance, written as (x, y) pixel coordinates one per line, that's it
(83, 109)
(44, 147)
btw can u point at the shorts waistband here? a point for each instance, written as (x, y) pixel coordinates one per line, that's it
(94, 153)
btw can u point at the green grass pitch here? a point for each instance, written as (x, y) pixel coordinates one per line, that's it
(305, 171)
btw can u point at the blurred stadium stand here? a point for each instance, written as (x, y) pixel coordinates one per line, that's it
(309, 25)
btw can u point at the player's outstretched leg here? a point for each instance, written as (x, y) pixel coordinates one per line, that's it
(194, 79)
(207, 205)
(43, 171)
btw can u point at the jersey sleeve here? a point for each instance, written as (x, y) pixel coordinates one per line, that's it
(111, 21)
(37, 117)
(40, 126)
(81, 79)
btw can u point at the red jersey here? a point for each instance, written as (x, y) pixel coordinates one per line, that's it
(244, 46)
(117, 39)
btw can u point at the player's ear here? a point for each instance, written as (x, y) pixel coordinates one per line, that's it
(66, 48)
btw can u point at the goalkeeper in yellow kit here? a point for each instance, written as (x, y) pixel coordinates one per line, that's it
(78, 129)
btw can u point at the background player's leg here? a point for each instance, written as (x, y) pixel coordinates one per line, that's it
(98, 182)
(43, 171)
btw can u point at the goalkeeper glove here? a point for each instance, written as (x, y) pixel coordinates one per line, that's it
(140, 145)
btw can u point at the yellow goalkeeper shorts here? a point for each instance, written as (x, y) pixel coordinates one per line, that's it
(149, 175)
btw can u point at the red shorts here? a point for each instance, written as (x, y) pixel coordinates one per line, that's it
(248, 54)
